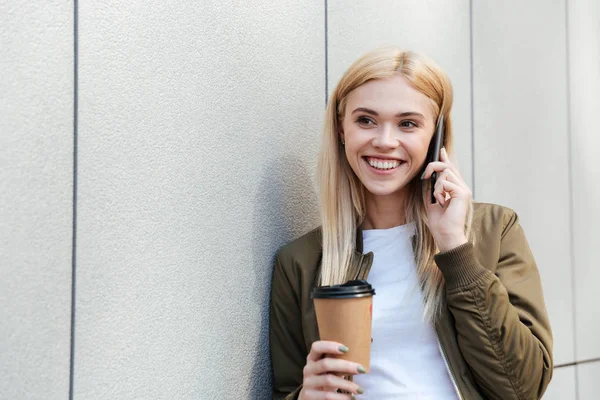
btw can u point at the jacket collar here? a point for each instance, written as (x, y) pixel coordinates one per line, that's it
(359, 241)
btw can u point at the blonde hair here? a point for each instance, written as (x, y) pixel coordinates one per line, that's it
(342, 197)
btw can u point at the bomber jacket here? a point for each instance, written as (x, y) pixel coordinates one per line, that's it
(494, 331)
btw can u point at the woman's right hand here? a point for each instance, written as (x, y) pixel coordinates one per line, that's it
(320, 381)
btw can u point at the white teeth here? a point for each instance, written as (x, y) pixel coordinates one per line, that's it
(384, 164)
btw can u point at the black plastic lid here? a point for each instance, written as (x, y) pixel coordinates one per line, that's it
(350, 289)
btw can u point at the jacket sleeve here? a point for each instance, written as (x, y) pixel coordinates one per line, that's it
(502, 326)
(288, 351)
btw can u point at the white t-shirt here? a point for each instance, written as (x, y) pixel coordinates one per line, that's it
(406, 362)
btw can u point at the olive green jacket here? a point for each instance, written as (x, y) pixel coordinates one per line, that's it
(495, 333)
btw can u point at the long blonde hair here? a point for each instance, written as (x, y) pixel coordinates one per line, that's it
(342, 197)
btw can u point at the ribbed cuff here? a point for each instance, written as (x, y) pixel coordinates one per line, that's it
(459, 266)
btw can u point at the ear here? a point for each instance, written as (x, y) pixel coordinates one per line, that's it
(341, 132)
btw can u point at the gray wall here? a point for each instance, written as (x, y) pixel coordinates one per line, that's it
(198, 127)
(198, 131)
(522, 137)
(36, 198)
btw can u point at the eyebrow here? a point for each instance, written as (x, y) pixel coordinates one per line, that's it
(399, 115)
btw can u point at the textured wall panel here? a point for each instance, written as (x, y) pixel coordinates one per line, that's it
(521, 137)
(584, 66)
(36, 190)
(587, 378)
(199, 126)
(562, 386)
(436, 28)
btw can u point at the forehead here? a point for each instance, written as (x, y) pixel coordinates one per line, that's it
(390, 95)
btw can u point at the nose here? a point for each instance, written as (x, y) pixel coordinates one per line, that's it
(386, 138)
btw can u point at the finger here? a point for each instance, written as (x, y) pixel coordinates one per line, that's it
(440, 166)
(439, 195)
(438, 192)
(322, 395)
(439, 199)
(443, 175)
(454, 178)
(451, 176)
(452, 189)
(432, 167)
(328, 365)
(444, 156)
(330, 383)
(321, 347)
(463, 190)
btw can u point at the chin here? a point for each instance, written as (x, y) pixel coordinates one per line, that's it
(378, 190)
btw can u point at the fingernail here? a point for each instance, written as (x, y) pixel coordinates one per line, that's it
(361, 369)
(360, 390)
(352, 398)
(423, 175)
(343, 349)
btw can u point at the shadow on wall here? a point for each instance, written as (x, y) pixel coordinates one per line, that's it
(286, 208)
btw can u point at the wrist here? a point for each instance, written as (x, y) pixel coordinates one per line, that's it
(450, 242)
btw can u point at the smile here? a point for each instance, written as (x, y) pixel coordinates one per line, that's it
(383, 164)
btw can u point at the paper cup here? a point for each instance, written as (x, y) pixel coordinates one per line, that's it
(344, 315)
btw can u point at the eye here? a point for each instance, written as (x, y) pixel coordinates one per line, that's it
(409, 124)
(362, 120)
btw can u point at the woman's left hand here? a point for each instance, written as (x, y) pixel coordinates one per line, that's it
(447, 217)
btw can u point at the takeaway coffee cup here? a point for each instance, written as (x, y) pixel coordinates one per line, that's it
(344, 314)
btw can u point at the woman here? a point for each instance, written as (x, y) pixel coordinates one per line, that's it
(459, 311)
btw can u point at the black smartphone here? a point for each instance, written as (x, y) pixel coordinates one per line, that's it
(437, 142)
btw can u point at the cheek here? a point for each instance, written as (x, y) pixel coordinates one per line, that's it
(351, 152)
(354, 143)
(417, 150)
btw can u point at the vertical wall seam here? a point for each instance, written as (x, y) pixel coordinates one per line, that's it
(74, 236)
(326, 58)
(571, 207)
(472, 99)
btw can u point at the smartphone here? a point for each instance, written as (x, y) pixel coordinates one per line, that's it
(437, 142)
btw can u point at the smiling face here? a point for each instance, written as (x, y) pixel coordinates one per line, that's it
(387, 126)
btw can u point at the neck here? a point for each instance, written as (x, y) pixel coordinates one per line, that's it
(384, 212)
